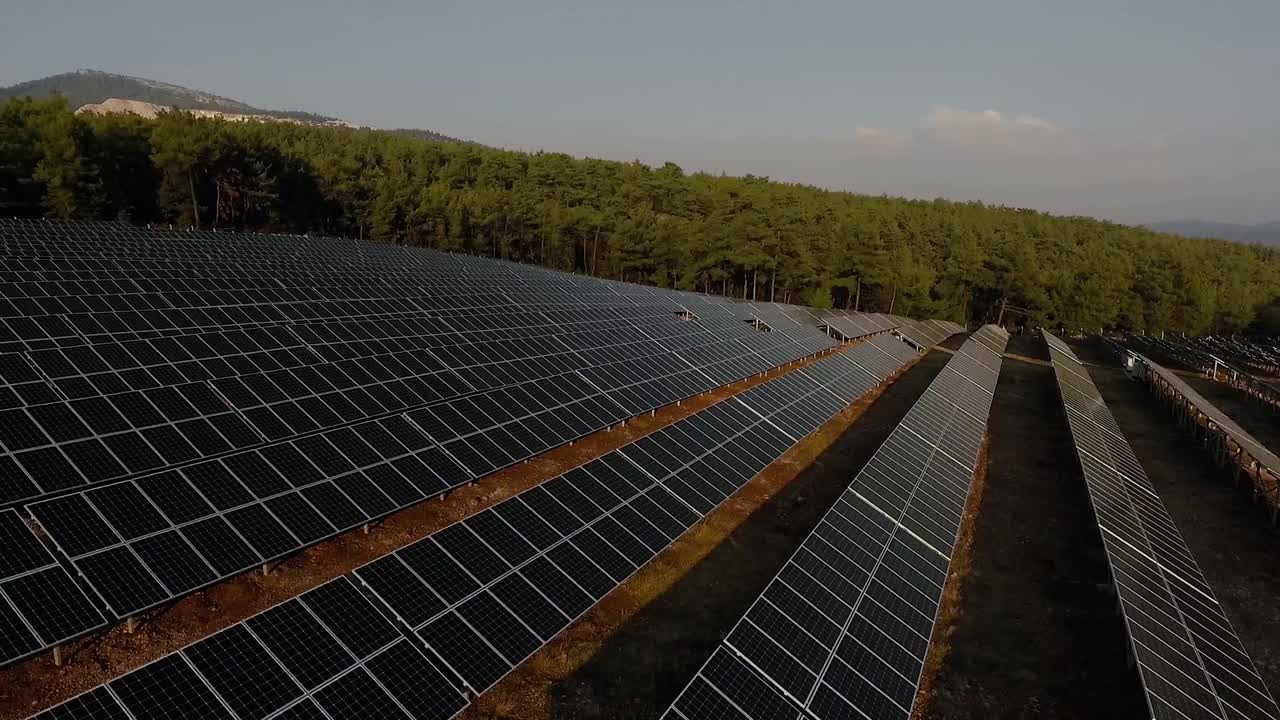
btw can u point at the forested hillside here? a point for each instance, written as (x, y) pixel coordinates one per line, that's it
(737, 236)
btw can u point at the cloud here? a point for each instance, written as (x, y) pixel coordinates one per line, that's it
(1033, 121)
(990, 131)
(880, 140)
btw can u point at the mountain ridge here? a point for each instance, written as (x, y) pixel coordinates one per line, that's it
(1267, 233)
(89, 87)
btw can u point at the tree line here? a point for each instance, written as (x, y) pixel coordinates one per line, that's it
(737, 236)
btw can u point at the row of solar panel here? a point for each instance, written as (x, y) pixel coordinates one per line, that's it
(927, 333)
(158, 248)
(483, 351)
(88, 329)
(1190, 660)
(1241, 437)
(109, 434)
(160, 273)
(218, 351)
(1258, 352)
(142, 543)
(240, 447)
(576, 309)
(172, 243)
(70, 296)
(33, 328)
(843, 629)
(266, 376)
(473, 600)
(204, 522)
(320, 254)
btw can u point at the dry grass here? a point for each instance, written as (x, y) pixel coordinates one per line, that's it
(1028, 359)
(949, 610)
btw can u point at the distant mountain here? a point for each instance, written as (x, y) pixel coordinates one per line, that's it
(109, 92)
(1261, 234)
(88, 87)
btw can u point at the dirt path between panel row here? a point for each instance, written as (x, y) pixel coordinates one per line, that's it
(1035, 632)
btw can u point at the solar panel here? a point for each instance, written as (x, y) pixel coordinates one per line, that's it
(481, 595)
(40, 603)
(1190, 660)
(843, 629)
(927, 333)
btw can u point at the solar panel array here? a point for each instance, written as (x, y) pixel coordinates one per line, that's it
(1261, 354)
(1241, 437)
(451, 614)
(1195, 355)
(1174, 350)
(843, 629)
(1191, 662)
(177, 407)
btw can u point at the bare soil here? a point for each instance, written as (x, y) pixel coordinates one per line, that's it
(1035, 633)
(633, 653)
(1230, 536)
(36, 683)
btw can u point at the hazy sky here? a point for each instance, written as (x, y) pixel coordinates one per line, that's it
(1136, 110)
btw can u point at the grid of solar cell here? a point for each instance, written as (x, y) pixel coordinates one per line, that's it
(177, 406)
(456, 611)
(843, 629)
(329, 649)
(1190, 660)
(39, 602)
